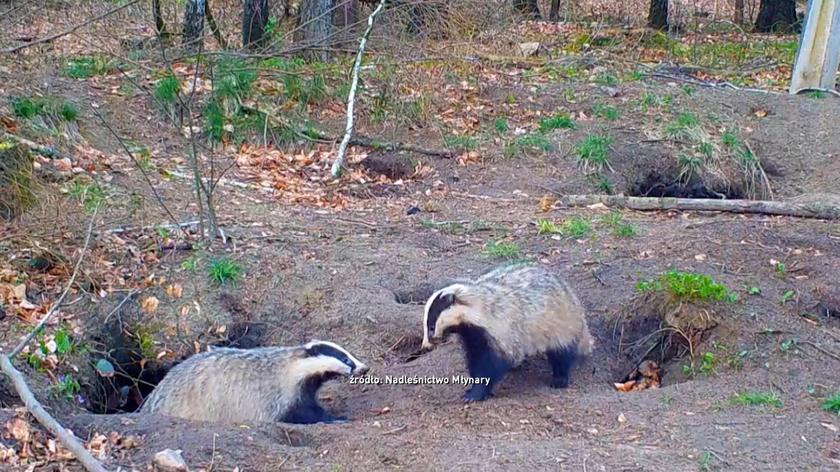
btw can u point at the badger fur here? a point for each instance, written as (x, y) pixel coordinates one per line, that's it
(264, 384)
(506, 315)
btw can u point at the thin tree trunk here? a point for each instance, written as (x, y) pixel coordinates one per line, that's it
(658, 14)
(254, 20)
(211, 21)
(739, 12)
(160, 26)
(529, 8)
(316, 28)
(554, 13)
(776, 16)
(193, 31)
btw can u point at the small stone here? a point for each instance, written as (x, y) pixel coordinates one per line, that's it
(168, 460)
(529, 49)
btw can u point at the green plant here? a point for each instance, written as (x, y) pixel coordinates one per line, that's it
(619, 227)
(90, 195)
(786, 345)
(224, 270)
(684, 126)
(500, 124)
(780, 269)
(707, 363)
(815, 94)
(68, 387)
(705, 462)
(190, 264)
(753, 290)
(605, 78)
(32, 107)
(593, 152)
(166, 89)
(832, 404)
(690, 166)
(556, 122)
(606, 112)
(757, 399)
(525, 142)
(502, 249)
(86, 67)
(730, 140)
(547, 227)
(63, 344)
(575, 227)
(706, 149)
(787, 296)
(687, 286)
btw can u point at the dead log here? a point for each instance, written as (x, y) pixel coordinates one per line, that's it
(818, 210)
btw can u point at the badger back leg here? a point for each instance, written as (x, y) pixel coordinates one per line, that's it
(561, 359)
(482, 361)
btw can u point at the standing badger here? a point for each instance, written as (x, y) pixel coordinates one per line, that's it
(253, 385)
(506, 315)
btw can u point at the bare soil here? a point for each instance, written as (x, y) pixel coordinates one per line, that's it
(358, 276)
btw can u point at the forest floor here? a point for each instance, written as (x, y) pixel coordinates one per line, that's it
(353, 260)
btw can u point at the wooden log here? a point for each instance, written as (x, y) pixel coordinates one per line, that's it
(818, 210)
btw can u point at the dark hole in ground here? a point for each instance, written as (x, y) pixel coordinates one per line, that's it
(393, 166)
(656, 184)
(407, 348)
(243, 335)
(136, 373)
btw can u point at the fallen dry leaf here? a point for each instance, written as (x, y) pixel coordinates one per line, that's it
(149, 305)
(547, 202)
(18, 429)
(174, 290)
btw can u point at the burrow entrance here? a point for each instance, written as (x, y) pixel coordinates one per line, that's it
(658, 184)
(127, 347)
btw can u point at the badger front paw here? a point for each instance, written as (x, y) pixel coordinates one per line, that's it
(476, 394)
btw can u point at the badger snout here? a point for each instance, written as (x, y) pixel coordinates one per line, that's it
(361, 369)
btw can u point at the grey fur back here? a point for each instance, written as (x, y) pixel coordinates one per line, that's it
(229, 385)
(528, 310)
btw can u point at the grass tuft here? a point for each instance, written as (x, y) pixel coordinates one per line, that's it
(593, 152)
(832, 404)
(502, 250)
(556, 122)
(757, 399)
(687, 286)
(224, 270)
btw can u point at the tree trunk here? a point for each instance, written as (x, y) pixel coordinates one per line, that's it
(739, 12)
(658, 14)
(316, 28)
(193, 24)
(254, 19)
(529, 8)
(776, 16)
(211, 21)
(160, 26)
(554, 13)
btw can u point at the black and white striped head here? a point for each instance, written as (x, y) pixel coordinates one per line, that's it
(446, 309)
(325, 358)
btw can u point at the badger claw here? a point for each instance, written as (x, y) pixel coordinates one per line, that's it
(475, 395)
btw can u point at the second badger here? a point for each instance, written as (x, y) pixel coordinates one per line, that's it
(506, 315)
(253, 385)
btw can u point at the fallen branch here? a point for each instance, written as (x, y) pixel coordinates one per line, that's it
(32, 404)
(822, 211)
(351, 98)
(72, 30)
(45, 151)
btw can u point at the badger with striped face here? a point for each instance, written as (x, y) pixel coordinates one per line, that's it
(253, 385)
(506, 315)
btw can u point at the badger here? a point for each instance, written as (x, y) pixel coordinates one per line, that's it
(231, 385)
(507, 314)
